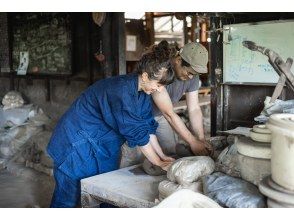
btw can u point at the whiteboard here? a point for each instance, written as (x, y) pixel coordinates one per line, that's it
(242, 65)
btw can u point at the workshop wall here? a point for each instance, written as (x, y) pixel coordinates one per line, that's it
(228, 111)
(75, 55)
(47, 38)
(4, 43)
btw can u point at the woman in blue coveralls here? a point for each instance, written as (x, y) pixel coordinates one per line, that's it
(88, 137)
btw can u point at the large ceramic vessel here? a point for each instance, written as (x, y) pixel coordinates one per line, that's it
(282, 149)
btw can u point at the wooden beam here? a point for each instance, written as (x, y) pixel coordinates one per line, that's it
(162, 14)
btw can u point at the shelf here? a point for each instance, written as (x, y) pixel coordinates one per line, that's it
(47, 77)
(44, 76)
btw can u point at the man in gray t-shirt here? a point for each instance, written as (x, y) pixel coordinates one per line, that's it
(177, 89)
(190, 61)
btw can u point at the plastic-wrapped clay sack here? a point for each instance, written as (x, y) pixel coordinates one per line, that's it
(227, 161)
(166, 188)
(186, 198)
(40, 142)
(15, 116)
(37, 117)
(15, 138)
(189, 169)
(232, 192)
(12, 99)
(2, 118)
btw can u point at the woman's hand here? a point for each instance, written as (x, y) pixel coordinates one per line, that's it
(165, 165)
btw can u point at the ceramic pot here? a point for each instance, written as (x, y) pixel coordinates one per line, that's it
(260, 137)
(277, 196)
(254, 159)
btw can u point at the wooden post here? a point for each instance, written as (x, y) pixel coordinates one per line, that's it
(193, 27)
(48, 87)
(203, 31)
(118, 42)
(150, 26)
(215, 70)
(90, 50)
(185, 30)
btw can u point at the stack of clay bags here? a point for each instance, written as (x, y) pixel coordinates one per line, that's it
(185, 173)
(18, 123)
(36, 156)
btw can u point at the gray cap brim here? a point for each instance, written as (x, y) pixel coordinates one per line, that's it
(200, 69)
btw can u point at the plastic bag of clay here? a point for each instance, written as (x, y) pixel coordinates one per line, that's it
(36, 149)
(278, 106)
(2, 118)
(28, 114)
(232, 192)
(12, 99)
(166, 188)
(227, 161)
(15, 116)
(41, 143)
(189, 169)
(186, 198)
(12, 140)
(37, 117)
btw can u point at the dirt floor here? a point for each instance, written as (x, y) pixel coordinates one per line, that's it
(30, 189)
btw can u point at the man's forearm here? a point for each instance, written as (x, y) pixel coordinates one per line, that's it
(196, 120)
(179, 126)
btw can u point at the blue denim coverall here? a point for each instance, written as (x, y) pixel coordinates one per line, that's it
(87, 139)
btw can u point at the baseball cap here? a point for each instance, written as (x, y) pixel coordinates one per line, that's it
(196, 55)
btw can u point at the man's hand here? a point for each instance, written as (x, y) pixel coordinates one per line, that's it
(209, 148)
(201, 148)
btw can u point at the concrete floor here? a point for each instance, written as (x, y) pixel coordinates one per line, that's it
(26, 189)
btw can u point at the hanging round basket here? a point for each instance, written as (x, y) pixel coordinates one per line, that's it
(99, 18)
